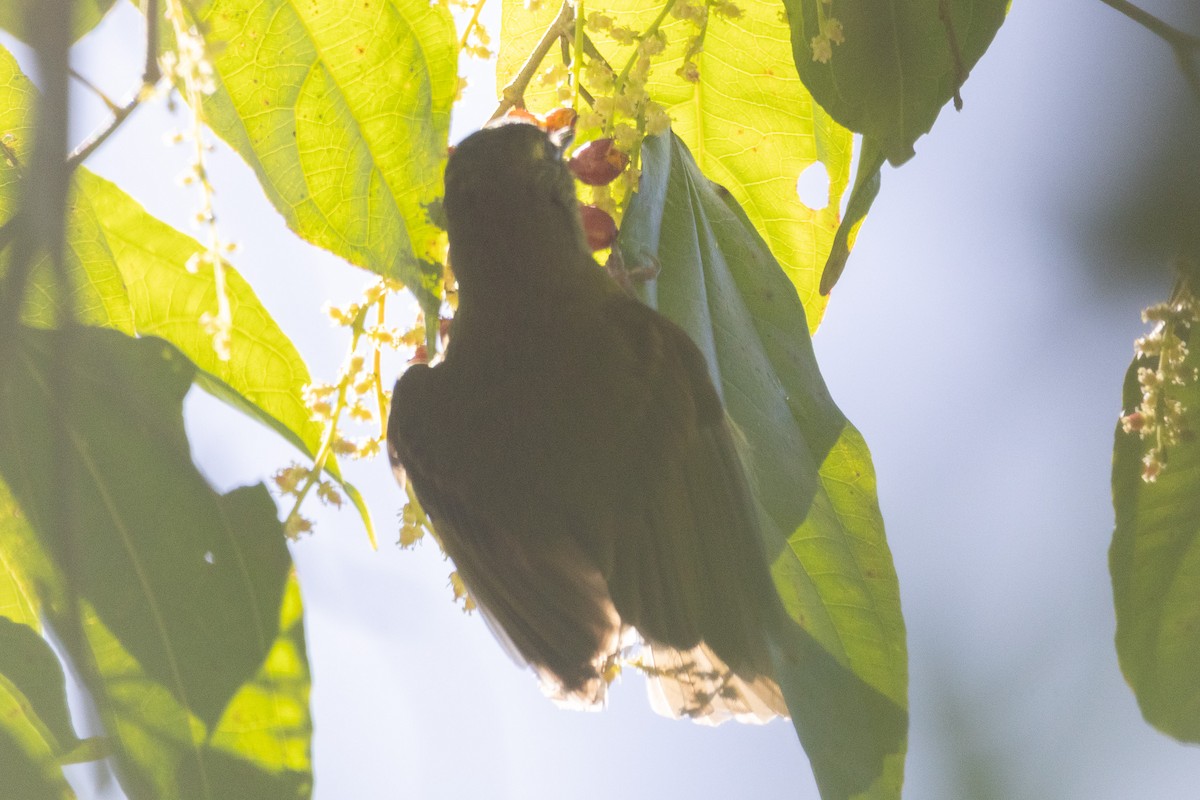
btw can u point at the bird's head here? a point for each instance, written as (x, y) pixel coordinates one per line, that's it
(507, 190)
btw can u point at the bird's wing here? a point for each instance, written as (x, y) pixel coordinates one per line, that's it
(688, 565)
(546, 601)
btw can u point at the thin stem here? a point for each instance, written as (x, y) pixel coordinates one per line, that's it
(113, 108)
(326, 446)
(619, 83)
(377, 366)
(1185, 45)
(90, 145)
(1168, 33)
(471, 24)
(577, 59)
(513, 95)
(151, 74)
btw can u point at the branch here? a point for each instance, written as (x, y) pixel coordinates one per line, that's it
(1185, 45)
(514, 94)
(120, 114)
(151, 75)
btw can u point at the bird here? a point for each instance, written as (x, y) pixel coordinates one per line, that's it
(575, 459)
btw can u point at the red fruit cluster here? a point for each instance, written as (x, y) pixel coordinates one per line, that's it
(598, 225)
(598, 163)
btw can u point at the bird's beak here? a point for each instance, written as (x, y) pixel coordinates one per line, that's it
(561, 139)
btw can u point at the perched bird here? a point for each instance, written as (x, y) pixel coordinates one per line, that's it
(575, 459)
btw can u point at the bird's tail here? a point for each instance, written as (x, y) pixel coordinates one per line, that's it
(698, 685)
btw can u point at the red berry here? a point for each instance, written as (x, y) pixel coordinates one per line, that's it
(599, 226)
(598, 162)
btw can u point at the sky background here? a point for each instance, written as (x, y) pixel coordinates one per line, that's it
(978, 339)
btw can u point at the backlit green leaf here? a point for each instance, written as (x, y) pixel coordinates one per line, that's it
(342, 108)
(748, 121)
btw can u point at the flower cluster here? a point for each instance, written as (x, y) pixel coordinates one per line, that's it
(461, 595)
(189, 67)
(1160, 418)
(358, 395)
(475, 41)
(829, 33)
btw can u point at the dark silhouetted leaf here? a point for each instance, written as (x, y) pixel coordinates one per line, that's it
(844, 673)
(896, 68)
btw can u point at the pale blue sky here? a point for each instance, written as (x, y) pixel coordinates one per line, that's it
(970, 343)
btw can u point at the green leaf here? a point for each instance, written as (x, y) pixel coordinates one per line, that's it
(897, 67)
(866, 187)
(749, 122)
(188, 625)
(129, 271)
(342, 108)
(29, 667)
(845, 674)
(260, 748)
(100, 297)
(123, 480)
(1155, 562)
(265, 371)
(227, 717)
(17, 601)
(26, 764)
(88, 13)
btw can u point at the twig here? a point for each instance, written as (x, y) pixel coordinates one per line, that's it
(513, 95)
(1184, 45)
(86, 148)
(96, 90)
(471, 24)
(151, 74)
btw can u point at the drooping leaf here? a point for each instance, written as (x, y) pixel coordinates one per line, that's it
(188, 628)
(342, 108)
(87, 14)
(845, 674)
(1155, 561)
(748, 120)
(30, 667)
(899, 63)
(866, 186)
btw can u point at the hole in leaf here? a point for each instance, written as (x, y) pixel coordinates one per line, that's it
(813, 185)
(209, 557)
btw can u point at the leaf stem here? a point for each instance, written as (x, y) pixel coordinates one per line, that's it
(513, 95)
(330, 435)
(577, 59)
(377, 366)
(1184, 45)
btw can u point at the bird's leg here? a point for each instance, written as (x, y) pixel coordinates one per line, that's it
(628, 276)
